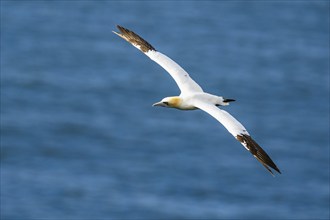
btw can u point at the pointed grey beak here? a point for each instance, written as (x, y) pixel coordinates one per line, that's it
(159, 104)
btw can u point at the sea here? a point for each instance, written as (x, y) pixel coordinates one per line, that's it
(80, 139)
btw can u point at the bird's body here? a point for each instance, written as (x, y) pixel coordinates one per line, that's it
(193, 97)
(188, 101)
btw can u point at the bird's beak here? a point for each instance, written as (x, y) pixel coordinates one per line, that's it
(159, 104)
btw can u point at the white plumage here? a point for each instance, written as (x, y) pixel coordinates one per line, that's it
(181, 77)
(193, 97)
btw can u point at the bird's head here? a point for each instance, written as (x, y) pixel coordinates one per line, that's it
(169, 102)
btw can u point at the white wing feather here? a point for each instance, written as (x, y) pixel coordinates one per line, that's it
(181, 77)
(189, 86)
(227, 120)
(239, 132)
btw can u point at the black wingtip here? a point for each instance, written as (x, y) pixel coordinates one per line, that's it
(278, 170)
(134, 39)
(121, 28)
(258, 152)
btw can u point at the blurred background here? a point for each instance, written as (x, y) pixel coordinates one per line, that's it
(80, 140)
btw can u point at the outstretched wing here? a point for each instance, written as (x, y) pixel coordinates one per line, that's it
(239, 132)
(181, 77)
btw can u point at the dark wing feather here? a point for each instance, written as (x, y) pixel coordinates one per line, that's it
(134, 39)
(257, 152)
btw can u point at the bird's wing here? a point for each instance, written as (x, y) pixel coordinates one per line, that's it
(181, 77)
(239, 132)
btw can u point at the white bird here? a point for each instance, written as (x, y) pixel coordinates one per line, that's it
(193, 97)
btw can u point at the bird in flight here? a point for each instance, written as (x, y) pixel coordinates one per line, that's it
(193, 97)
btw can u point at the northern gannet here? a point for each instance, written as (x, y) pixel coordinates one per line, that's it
(193, 97)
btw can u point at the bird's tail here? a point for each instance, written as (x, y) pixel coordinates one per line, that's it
(229, 100)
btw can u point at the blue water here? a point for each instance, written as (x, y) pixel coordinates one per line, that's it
(80, 140)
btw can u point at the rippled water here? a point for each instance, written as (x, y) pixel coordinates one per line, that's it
(80, 140)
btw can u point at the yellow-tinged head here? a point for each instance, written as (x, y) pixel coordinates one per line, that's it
(170, 102)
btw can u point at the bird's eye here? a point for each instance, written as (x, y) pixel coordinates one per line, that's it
(166, 103)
